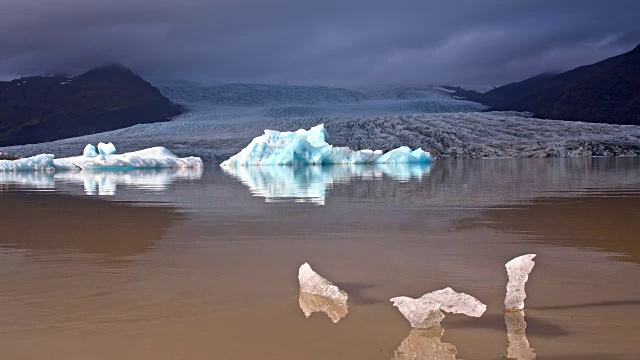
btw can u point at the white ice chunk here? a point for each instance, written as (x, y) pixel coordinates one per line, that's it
(152, 158)
(312, 283)
(106, 149)
(310, 303)
(90, 151)
(426, 311)
(42, 162)
(518, 270)
(309, 147)
(425, 344)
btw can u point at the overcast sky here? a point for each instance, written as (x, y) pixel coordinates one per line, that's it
(329, 42)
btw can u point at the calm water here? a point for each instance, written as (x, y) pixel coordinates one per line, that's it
(189, 265)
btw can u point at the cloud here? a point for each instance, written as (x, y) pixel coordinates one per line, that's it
(348, 42)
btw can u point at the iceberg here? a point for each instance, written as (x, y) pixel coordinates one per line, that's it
(152, 158)
(106, 149)
(427, 311)
(312, 283)
(89, 151)
(42, 162)
(518, 270)
(425, 344)
(309, 147)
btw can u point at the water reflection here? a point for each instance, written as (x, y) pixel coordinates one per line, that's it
(99, 182)
(36, 180)
(60, 223)
(425, 344)
(310, 183)
(518, 343)
(310, 303)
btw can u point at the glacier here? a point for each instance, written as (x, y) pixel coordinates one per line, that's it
(427, 311)
(309, 147)
(152, 158)
(518, 270)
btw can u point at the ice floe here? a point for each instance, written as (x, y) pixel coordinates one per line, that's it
(309, 147)
(427, 311)
(518, 270)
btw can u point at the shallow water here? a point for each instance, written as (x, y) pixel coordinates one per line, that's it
(190, 265)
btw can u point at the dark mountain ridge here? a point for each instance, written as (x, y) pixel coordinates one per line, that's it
(604, 92)
(44, 108)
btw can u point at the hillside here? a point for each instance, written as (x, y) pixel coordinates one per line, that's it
(605, 92)
(45, 108)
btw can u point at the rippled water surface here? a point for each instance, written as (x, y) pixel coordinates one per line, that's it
(191, 265)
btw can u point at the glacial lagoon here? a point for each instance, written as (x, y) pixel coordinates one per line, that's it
(202, 264)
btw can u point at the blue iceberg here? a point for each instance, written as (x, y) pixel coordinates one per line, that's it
(309, 147)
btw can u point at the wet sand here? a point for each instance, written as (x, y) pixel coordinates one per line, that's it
(204, 270)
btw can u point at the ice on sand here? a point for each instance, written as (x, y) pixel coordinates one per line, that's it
(427, 311)
(42, 162)
(518, 270)
(319, 294)
(309, 147)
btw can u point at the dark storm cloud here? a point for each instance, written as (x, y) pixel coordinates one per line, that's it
(484, 42)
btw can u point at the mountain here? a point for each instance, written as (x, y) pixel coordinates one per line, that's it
(44, 108)
(604, 92)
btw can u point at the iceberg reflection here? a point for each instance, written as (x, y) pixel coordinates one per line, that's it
(425, 344)
(518, 343)
(37, 180)
(107, 182)
(100, 182)
(310, 183)
(334, 309)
